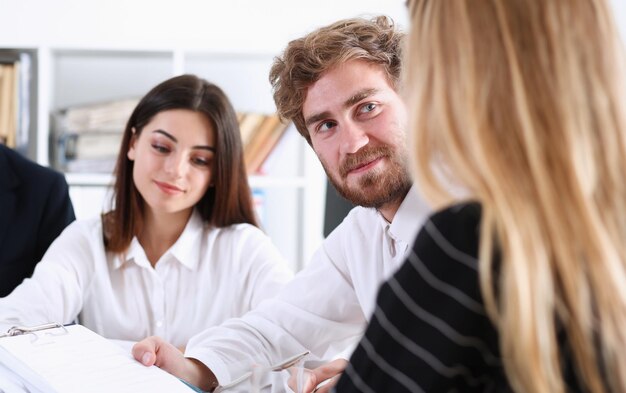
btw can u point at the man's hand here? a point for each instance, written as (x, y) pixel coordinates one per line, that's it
(320, 379)
(155, 351)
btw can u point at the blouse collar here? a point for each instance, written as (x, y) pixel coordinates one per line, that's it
(186, 249)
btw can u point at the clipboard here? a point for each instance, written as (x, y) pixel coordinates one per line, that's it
(53, 358)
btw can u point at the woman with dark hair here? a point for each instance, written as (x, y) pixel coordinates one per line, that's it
(180, 251)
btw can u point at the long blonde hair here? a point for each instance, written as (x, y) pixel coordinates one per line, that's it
(522, 103)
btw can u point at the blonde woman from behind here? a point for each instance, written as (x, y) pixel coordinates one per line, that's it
(522, 287)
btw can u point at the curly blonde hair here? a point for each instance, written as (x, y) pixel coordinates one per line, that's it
(306, 59)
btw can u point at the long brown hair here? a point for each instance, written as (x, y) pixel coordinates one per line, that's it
(227, 202)
(522, 103)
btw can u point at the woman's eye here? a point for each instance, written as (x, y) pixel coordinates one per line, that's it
(200, 161)
(160, 148)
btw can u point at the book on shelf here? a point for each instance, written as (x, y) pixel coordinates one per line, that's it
(92, 145)
(102, 117)
(264, 143)
(248, 126)
(9, 97)
(15, 75)
(88, 152)
(259, 141)
(88, 137)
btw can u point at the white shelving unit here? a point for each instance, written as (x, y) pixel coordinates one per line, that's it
(292, 191)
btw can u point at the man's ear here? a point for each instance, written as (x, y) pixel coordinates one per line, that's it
(131, 146)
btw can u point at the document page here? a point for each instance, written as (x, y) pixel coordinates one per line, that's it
(75, 359)
(10, 382)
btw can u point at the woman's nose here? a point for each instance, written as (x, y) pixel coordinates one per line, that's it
(176, 165)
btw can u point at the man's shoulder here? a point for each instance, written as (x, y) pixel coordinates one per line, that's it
(28, 171)
(359, 223)
(359, 217)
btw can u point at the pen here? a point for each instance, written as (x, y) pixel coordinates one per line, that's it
(275, 367)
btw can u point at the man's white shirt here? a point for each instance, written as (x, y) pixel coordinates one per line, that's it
(326, 307)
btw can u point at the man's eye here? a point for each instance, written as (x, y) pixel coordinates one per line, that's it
(368, 107)
(325, 126)
(160, 148)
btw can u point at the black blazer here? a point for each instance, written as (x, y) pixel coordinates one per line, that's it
(35, 207)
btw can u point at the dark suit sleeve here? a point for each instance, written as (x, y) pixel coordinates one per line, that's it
(57, 214)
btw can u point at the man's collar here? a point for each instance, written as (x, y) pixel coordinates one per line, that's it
(410, 217)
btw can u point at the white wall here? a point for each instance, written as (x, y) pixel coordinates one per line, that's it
(226, 25)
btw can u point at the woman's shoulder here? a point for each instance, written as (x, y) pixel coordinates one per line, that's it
(79, 242)
(86, 227)
(452, 232)
(81, 236)
(235, 229)
(237, 233)
(460, 215)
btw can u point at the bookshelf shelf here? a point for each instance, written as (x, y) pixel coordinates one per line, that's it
(89, 179)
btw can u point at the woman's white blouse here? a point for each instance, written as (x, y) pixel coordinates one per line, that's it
(207, 276)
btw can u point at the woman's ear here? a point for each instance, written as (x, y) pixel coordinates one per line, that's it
(131, 146)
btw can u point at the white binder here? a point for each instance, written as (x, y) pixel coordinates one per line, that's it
(53, 358)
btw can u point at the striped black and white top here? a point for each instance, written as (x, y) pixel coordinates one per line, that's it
(430, 331)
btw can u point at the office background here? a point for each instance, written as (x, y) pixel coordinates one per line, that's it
(86, 51)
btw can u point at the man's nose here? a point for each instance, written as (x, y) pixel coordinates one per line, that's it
(353, 138)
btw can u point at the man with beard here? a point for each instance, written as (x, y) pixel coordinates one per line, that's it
(339, 85)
